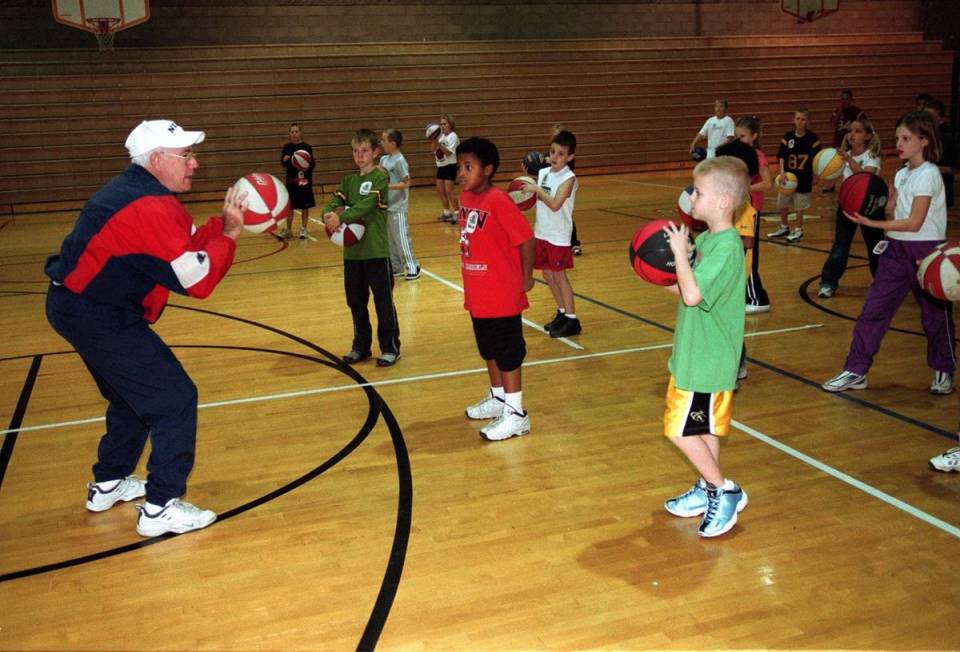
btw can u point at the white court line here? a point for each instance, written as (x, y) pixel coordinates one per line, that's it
(395, 381)
(536, 327)
(853, 482)
(647, 183)
(820, 466)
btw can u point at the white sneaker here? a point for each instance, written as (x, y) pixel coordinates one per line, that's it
(101, 496)
(825, 291)
(176, 516)
(742, 372)
(948, 462)
(796, 235)
(845, 380)
(303, 233)
(489, 407)
(781, 231)
(507, 425)
(756, 309)
(942, 383)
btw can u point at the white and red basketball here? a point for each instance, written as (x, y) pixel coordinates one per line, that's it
(939, 272)
(524, 199)
(685, 210)
(268, 202)
(348, 233)
(431, 131)
(301, 159)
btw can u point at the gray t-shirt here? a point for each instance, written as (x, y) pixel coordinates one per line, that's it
(396, 167)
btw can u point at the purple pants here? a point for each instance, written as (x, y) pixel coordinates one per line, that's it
(897, 275)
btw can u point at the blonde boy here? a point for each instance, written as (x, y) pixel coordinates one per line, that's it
(707, 342)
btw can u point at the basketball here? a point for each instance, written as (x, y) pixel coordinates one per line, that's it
(685, 211)
(301, 159)
(348, 233)
(786, 183)
(651, 256)
(828, 164)
(523, 199)
(533, 163)
(698, 154)
(744, 152)
(939, 272)
(432, 131)
(864, 193)
(267, 201)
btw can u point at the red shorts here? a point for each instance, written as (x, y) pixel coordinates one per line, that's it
(551, 257)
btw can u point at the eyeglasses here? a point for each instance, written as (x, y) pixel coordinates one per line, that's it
(186, 156)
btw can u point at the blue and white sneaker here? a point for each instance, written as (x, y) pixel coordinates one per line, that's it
(101, 496)
(176, 516)
(691, 503)
(722, 509)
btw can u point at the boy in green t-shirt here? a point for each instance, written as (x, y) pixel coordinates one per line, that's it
(366, 264)
(707, 342)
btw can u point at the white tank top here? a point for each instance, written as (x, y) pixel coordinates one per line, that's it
(556, 227)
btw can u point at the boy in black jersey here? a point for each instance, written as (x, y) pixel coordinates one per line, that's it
(797, 149)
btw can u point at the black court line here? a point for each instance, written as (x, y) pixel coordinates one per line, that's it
(394, 569)
(805, 296)
(788, 374)
(10, 440)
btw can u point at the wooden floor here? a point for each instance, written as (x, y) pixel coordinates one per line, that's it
(361, 508)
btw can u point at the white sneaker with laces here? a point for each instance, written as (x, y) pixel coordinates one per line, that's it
(489, 407)
(948, 462)
(176, 516)
(101, 496)
(509, 424)
(796, 235)
(845, 380)
(942, 383)
(782, 230)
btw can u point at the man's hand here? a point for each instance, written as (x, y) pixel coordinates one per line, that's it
(234, 205)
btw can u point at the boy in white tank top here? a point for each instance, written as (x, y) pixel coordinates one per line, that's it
(556, 192)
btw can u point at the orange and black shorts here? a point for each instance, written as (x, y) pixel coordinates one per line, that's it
(696, 413)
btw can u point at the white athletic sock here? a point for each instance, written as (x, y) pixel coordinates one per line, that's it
(497, 392)
(571, 315)
(446, 211)
(515, 401)
(728, 485)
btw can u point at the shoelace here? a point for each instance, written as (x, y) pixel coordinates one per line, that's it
(713, 504)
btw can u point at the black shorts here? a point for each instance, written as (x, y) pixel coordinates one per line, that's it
(447, 172)
(301, 196)
(501, 339)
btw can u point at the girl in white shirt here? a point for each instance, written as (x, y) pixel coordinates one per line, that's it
(860, 148)
(916, 224)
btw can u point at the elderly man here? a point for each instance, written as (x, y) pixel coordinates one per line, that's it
(132, 243)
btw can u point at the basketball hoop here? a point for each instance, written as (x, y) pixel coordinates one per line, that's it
(104, 31)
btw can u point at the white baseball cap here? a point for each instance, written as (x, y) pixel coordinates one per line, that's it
(151, 134)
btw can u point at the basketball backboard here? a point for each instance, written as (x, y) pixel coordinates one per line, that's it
(809, 10)
(102, 17)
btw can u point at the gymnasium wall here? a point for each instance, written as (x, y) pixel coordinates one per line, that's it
(29, 23)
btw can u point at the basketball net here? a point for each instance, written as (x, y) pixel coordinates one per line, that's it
(104, 32)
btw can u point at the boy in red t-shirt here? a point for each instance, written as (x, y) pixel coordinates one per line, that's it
(496, 262)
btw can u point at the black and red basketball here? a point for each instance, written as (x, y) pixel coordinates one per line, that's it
(864, 193)
(939, 272)
(651, 256)
(746, 153)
